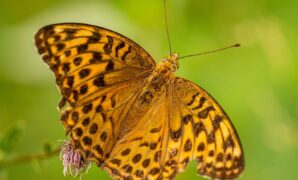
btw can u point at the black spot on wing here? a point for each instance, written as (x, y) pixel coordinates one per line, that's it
(118, 47)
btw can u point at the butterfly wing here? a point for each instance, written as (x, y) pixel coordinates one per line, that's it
(137, 155)
(213, 139)
(99, 73)
(184, 124)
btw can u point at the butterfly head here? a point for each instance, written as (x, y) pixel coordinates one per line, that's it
(171, 61)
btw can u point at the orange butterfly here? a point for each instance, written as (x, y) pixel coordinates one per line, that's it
(132, 117)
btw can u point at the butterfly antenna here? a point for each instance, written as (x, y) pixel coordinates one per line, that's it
(221, 49)
(167, 27)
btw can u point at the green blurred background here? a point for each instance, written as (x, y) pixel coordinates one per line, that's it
(256, 84)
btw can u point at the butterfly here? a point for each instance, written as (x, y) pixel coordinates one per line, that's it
(134, 118)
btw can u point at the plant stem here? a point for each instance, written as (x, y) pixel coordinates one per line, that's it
(26, 158)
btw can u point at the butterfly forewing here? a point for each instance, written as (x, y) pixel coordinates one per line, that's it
(99, 73)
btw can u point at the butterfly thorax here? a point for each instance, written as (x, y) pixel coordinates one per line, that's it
(163, 73)
(160, 77)
(157, 82)
(153, 88)
(170, 62)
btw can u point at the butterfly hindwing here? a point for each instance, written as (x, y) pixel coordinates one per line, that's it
(184, 124)
(138, 154)
(216, 147)
(99, 72)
